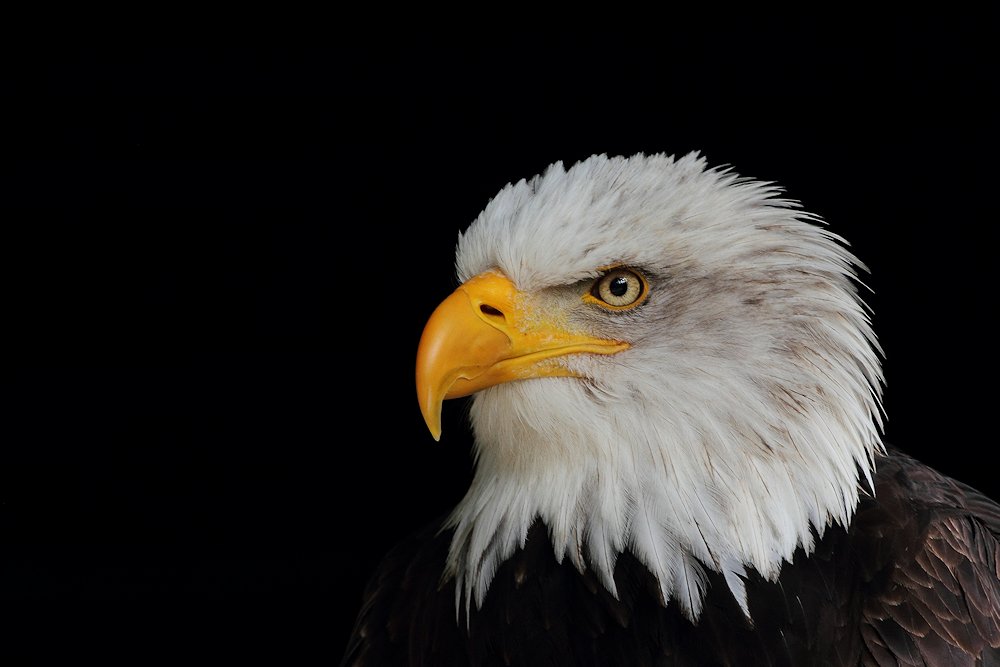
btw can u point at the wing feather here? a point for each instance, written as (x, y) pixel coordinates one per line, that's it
(937, 599)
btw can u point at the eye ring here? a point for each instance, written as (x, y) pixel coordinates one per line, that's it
(618, 288)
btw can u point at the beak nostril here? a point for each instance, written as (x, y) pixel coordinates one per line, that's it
(490, 311)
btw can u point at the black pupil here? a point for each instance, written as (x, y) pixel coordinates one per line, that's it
(618, 286)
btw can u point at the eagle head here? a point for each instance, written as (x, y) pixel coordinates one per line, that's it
(664, 358)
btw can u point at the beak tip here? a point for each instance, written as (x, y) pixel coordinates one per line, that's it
(434, 426)
(432, 418)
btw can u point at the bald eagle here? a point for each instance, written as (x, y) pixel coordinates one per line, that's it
(679, 457)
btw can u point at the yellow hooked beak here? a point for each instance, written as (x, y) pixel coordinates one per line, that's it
(487, 333)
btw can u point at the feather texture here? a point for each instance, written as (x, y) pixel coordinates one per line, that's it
(914, 580)
(716, 493)
(745, 416)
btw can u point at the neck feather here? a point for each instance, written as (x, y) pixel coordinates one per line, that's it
(686, 485)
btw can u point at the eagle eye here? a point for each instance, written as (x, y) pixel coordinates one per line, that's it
(618, 289)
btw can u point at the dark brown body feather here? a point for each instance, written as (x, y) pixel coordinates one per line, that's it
(915, 580)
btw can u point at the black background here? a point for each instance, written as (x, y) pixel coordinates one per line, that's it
(217, 263)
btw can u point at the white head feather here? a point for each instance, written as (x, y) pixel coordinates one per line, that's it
(744, 416)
